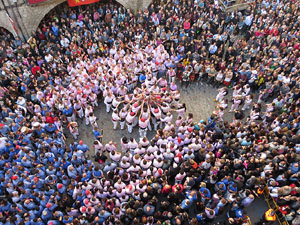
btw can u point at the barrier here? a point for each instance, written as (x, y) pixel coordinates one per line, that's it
(273, 205)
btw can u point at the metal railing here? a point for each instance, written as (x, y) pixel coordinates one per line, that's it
(235, 4)
(273, 205)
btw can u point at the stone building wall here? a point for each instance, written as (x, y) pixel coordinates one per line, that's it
(28, 17)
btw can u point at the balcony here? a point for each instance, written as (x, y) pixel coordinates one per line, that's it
(231, 5)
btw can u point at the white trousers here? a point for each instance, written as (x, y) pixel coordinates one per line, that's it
(143, 132)
(71, 118)
(94, 103)
(171, 79)
(80, 113)
(108, 107)
(219, 97)
(115, 123)
(122, 124)
(129, 127)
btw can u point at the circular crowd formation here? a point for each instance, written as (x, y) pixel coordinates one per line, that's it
(190, 172)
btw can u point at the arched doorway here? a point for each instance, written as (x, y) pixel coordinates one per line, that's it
(5, 37)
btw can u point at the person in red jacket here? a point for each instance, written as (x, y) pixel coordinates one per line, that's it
(166, 189)
(49, 118)
(35, 68)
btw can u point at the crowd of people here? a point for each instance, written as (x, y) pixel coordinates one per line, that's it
(190, 172)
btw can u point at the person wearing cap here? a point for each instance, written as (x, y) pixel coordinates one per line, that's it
(129, 121)
(156, 118)
(83, 147)
(143, 126)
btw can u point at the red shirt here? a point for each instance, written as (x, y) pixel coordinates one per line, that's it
(49, 119)
(187, 25)
(174, 188)
(166, 190)
(274, 32)
(34, 69)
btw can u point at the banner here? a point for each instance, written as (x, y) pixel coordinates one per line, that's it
(30, 2)
(13, 24)
(73, 3)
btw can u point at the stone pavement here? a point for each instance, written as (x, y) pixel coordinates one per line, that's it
(199, 101)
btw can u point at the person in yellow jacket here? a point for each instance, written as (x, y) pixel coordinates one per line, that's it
(269, 217)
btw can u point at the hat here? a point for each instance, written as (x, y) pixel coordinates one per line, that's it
(86, 201)
(48, 205)
(179, 140)
(81, 142)
(156, 110)
(51, 223)
(36, 124)
(35, 179)
(24, 129)
(59, 186)
(136, 105)
(14, 177)
(160, 171)
(87, 192)
(179, 155)
(1, 125)
(190, 129)
(86, 86)
(132, 114)
(143, 120)
(83, 209)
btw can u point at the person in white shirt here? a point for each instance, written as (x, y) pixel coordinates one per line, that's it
(179, 177)
(93, 120)
(156, 117)
(122, 116)
(143, 126)
(108, 100)
(88, 111)
(236, 103)
(79, 110)
(98, 147)
(248, 102)
(222, 93)
(115, 119)
(110, 146)
(115, 156)
(129, 119)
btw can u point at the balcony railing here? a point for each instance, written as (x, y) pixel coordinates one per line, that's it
(229, 5)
